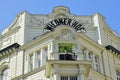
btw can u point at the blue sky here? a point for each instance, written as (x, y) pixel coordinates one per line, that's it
(9, 9)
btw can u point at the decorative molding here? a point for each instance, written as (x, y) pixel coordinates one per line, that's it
(6, 41)
(66, 35)
(85, 22)
(9, 49)
(35, 21)
(10, 31)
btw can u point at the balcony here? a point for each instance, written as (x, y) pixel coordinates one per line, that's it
(56, 66)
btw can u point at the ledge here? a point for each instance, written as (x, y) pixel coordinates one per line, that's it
(109, 47)
(49, 64)
(9, 48)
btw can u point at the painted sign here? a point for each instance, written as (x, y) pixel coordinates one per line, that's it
(64, 21)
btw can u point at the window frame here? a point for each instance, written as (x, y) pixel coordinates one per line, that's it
(38, 58)
(3, 74)
(46, 52)
(97, 64)
(31, 62)
(118, 74)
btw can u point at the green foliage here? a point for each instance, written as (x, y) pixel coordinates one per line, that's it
(65, 47)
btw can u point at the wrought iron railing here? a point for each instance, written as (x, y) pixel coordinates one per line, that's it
(67, 56)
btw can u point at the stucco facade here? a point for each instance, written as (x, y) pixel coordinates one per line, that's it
(59, 46)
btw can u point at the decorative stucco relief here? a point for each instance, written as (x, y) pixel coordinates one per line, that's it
(66, 35)
(36, 21)
(85, 21)
(6, 41)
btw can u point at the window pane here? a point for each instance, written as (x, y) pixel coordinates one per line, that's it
(118, 75)
(31, 62)
(64, 78)
(97, 67)
(39, 58)
(84, 53)
(5, 74)
(90, 56)
(73, 77)
(68, 78)
(96, 59)
(46, 53)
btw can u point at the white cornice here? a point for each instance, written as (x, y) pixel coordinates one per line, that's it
(10, 32)
(108, 31)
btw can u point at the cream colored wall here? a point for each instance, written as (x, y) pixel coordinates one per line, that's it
(37, 76)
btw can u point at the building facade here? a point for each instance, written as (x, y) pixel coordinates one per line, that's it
(59, 46)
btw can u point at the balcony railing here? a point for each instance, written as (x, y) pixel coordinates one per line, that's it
(67, 56)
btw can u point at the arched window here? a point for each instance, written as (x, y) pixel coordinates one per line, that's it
(5, 74)
(118, 75)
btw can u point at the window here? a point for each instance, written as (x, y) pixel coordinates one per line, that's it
(46, 53)
(118, 75)
(68, 78)
(38, 58)
(90, 55)
(84, 53)
(5, 74)
(31, 62)
(97, 63)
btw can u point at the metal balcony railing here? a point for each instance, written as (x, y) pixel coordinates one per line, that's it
(67, 56)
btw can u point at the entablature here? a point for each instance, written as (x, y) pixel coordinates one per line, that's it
(9, 49)
(114, 50)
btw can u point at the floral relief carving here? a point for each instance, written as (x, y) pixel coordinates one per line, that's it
(6, 41)
(36, 21)
(66, 35)
(85, 22)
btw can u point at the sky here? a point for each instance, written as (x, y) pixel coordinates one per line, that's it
(9, 9)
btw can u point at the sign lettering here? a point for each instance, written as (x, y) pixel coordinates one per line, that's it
(64, 21)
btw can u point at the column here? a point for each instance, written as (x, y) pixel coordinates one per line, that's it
(55, 72)
(86, 52)
(80, 54)
(55, 76)
(34, 60)
(49, 51)
(0, 75)
(42, 57)
(93, 61)
(81, 75)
